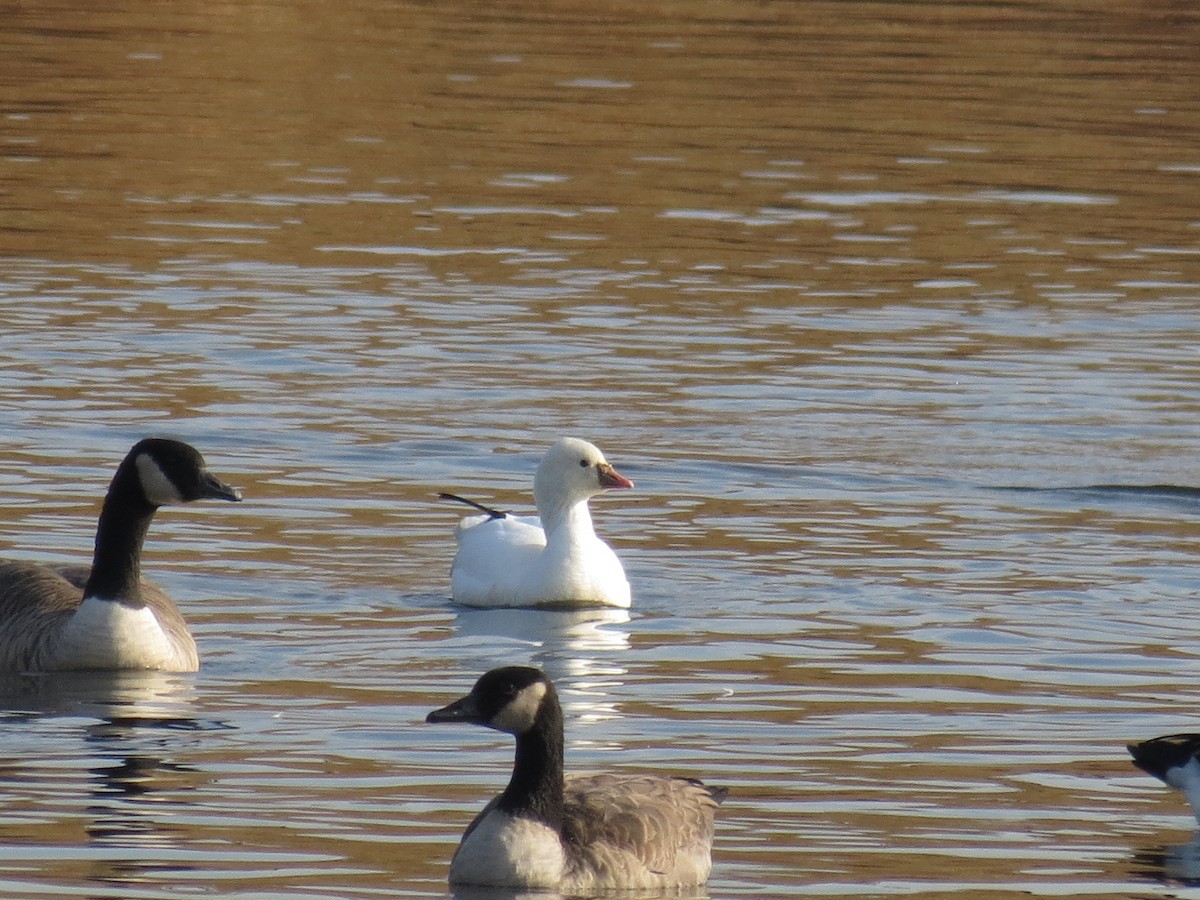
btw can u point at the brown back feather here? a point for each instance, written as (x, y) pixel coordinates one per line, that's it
(664, 824)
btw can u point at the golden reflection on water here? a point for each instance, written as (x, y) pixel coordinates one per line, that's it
(824, 278)
(1005, 147)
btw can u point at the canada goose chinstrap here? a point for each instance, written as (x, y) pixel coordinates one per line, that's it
(579, 833)
(553, 559)
(107, 617)
(1175, 760)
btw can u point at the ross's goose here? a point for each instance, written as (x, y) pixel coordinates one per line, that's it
(553, 559)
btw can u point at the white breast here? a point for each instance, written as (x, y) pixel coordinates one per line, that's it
(107, 635)
(509, 851)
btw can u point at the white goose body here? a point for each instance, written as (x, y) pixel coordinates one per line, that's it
(553, 559)
(581, 833)
(1173, 759)
(107, 616)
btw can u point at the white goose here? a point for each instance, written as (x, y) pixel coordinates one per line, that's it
(575, 834)
(552, 560)
(1175, 760)
(106, 616)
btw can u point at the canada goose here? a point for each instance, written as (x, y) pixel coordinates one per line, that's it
(1175, 760)
(554, 559)
(107, 617)
(581, 832)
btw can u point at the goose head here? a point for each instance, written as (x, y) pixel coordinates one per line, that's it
(169, 472)
(508, 699)
(573, 471)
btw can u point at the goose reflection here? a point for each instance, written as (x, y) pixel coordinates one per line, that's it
(1174, 864)
(132, 722)
(580, 648)
(100, 695)
(129, 806)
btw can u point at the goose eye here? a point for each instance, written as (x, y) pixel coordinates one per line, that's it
(583, 463)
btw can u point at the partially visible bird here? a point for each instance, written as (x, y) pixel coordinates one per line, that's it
(1175, 760)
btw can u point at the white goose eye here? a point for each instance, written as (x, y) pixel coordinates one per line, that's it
(584, 463)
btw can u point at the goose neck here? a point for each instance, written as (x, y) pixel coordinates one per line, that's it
(564, 516)
(116, 562)
(536, 787)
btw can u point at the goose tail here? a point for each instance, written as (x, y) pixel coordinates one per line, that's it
(493, 513)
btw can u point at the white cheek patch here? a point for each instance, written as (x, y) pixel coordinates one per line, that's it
(158, 488)
(519, 714)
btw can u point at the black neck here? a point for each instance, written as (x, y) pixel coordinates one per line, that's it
(536, 787)
(117, 561)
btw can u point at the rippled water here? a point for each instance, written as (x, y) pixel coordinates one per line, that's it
(890, 311)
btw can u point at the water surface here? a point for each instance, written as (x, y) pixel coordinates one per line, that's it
(888, 309)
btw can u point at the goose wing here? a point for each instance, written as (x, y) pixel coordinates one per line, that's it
(630, 828)
(494, 557)
(35, 601)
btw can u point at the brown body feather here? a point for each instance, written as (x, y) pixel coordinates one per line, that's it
(36, 601)
(618, 822)
(632, 830)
